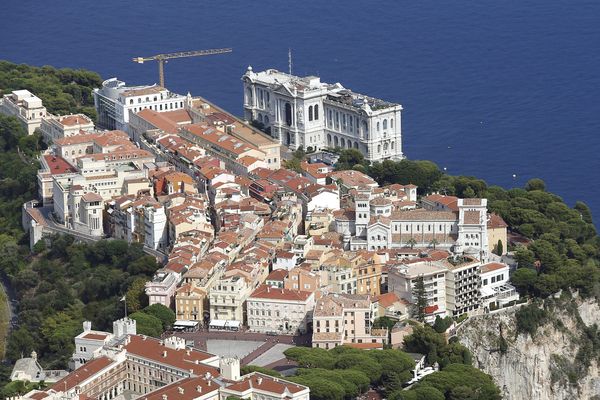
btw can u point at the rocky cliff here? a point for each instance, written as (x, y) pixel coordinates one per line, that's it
(560, 361)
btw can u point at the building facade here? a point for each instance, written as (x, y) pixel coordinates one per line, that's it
(114, 101)
(272, 309)
(26, 107)
(305, 112)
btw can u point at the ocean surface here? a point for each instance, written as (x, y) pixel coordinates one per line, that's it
(489, 88)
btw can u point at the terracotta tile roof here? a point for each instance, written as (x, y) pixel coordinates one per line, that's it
(90, 196)
(95, 336)
(58, 165)
(494, 266)
(151, 349)
(82, 373)
(365, 346)
(353, 178)
(387, 299)
(74, 119)
(495, 221)
(262, 382)
(278, 275)
(185, 389)
(266, 292)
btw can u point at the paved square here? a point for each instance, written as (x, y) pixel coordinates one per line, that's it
(275, 353)
(231, 348)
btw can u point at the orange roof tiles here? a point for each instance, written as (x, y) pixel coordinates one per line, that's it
(82, 373)
(267, 292)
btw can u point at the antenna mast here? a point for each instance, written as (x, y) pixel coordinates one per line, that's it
(290, 60)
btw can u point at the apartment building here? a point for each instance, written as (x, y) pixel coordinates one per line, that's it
(403, 277)
(190, 302)
(26, 107)
(462, 285)
(346, 319)
(227, 298)
(272, 309)
(161, 289)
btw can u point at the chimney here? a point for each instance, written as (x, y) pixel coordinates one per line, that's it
(180, 390)
(198, 388)
(259, 380)
(164, 397)
(164, 354)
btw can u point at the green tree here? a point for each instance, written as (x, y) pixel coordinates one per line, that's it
(164, 314)
(136, 295)
(411, 242)
(535, 184)
(524, 280)
(420, 300)
(499, 248)
(147, 324)
(246, 369)
(349, 158)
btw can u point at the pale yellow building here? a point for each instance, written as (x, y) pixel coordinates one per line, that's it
(190, 303)
(496, 231)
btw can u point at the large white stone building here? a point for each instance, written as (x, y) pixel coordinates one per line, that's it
(272, 309)
(375, 223)
(26, 107)
(305, 112)
(114, 101)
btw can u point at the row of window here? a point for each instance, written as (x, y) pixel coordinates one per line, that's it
(159, 107)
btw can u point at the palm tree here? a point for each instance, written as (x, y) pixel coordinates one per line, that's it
(434, 242)
(411, 242)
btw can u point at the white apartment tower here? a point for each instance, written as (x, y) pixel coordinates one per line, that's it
(303, 111)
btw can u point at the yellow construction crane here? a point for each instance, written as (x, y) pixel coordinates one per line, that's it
(162, 58)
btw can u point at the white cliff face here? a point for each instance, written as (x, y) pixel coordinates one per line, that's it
(544, 367)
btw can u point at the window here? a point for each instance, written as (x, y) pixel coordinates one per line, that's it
(385, 124)
(310, 113)
(288, 114)
(377, 126)
(316, 112)
(391, 122)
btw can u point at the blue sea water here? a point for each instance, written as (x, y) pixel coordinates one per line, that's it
(489, 88)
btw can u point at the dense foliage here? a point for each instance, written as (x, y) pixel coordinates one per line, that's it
(345, 372)
(153, 320)
(63, 91)
(17, 175)
(69, 283)
(426, 340)
(455, 382)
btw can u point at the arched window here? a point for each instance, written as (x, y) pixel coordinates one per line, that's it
(392, 145)
(266, 119)
(316, 112)
(260, 118)
(391, 122)
(377, 126)
(379, 148)
(385, 146)
(249, 96)
(288, 114)
(385, 124)
(310, 113)
(328, 139)
(356, 145)
(343, 142)
(335, 141)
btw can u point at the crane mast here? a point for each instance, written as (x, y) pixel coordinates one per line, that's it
(162, 59)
